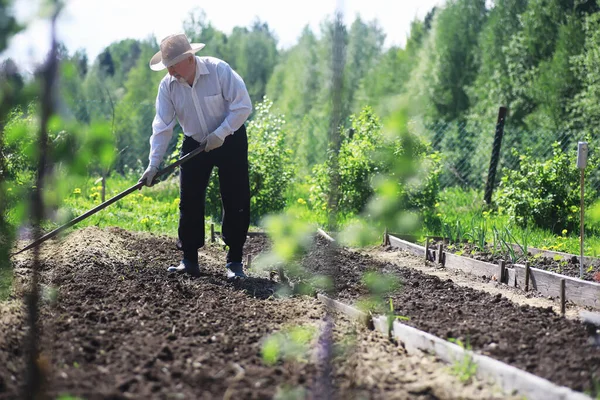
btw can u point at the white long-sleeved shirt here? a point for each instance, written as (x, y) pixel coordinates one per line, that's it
(218, 101)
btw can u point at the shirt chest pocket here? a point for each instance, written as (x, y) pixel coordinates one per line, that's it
(215, 105)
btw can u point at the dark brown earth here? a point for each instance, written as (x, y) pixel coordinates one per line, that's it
(533, 339)
(116, 325)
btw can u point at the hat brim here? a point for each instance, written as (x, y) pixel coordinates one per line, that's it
(156, 63)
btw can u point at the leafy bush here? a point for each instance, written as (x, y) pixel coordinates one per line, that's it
(357, 165)
(545, 193)
(270, 162)
(364, 154)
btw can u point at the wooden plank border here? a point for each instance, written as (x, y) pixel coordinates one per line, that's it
(415, 341)
(577, 291)
(415, 249)
(510, 379)
(472, 266)
(353, 313)
(580, 292)
(325, 235)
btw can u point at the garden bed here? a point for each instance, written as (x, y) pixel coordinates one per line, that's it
(122, 327)
(526, 277)
(536, 340)
(556, 262)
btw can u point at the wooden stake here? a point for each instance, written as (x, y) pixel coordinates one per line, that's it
(440, 254)
(527, 273)
(212, 232)
(248, 261)
(427, 249)
(563, 299)
(502, 277)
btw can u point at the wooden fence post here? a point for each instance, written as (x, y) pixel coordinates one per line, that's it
(212, 232)
(489, 186)
(563, 299)
(527, 276)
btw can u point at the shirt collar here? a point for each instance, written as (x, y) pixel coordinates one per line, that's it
(201, 69)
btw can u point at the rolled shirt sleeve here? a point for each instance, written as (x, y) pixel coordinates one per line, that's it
(163, 124)
(235, 93)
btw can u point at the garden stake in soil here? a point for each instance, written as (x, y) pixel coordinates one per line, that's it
(108, 202)
(563, 299)
(502, 264)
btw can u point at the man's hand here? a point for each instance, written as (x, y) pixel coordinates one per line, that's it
(149, 175)
(213, 142)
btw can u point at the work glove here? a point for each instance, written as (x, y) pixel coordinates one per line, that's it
(213, 141)
(148, 175)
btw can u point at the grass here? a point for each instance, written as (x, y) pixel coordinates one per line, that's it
(462, 212)
(154, 209)
(6, 278)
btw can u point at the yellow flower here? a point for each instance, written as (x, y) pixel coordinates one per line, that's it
(144, 220)
(147, 199)
(301, 201)
(76, 191)
(564, 232)
(176, 201)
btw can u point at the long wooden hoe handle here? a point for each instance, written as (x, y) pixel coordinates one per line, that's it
(118, 197)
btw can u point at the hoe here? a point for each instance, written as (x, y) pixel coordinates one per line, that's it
(108, 202)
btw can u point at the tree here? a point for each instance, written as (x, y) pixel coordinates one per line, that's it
(198, 29)
(365, 43)
(254, 56)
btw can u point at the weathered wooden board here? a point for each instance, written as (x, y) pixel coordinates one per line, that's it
(472, 266)
(408, 246)
(509, 378)
(350, 311)
(325, 235)
(577, 291)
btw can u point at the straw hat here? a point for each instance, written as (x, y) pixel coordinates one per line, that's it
(173, 48)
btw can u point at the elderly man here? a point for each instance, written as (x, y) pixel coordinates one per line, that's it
(211, 103)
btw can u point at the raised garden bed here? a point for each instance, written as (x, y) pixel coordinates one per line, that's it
(526, 277)
(532, 339)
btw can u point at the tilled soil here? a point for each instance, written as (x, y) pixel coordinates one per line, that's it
(533, 339)
(116, 325)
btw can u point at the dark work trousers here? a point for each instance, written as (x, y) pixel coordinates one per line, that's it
(231, 159)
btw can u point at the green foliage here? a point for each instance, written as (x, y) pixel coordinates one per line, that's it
(270, 162)
(586, 104)
(292, 344)
(357, 166)
(465, 369)
(154, 209)
(545, 193)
